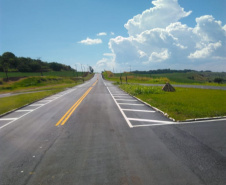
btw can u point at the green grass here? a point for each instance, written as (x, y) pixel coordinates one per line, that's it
(194, 78)
(13, 102)
(36, 82)
(53, 73)
(47, 86)
(134, 78)
(185, 103)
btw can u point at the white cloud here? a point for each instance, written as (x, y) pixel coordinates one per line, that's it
(112, 33)
(157, 38)
(89, 41)
(159, 57)
(160, 16)
(108, 54)
(102, 34)
(206, 51)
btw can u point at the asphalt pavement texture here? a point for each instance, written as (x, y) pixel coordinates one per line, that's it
(110, 138)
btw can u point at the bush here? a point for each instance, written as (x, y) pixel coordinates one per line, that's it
(218, 80)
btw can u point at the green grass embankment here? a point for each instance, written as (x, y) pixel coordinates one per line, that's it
(14, 102)
(45, 85)
(185, 103)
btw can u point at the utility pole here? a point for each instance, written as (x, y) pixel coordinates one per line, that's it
(76, 70)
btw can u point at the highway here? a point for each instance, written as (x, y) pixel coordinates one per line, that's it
(96, 134)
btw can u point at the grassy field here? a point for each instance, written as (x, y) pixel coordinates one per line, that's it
(48, 85)
(185, 103)
(134, 78)
(54, 73)
(195, 78)
(13, 102)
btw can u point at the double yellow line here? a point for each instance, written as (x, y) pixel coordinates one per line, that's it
(68, 114)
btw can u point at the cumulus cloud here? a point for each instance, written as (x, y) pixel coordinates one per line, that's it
(89, 41)
(106, 63)
(157, 38)
(102, 34)
(160, 16)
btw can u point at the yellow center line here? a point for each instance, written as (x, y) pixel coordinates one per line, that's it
(67, 115)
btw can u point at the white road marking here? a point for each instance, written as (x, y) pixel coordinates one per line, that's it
(119, 94)
(36, 105)
(179, 123)
(213, 120)
(128, 122)
(43, 101)
(131, 104)
(125, 100)
(7, 119)
(149, 120)
(136, 110)
(24, 110)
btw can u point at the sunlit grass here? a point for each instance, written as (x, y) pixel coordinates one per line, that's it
(14, 102)
(185, 103)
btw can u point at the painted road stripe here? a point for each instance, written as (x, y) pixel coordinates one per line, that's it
(25, 110)
(7, 119)
(125, 100)
(180, 123)
(68, 114)
(120, 95)
(130, 104)
(43, 101)
(37, 105)
(128, 122)
(149, 120)
(136, 110)
(125, 97)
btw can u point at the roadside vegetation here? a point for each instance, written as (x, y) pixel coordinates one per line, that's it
(38, 87)
(14, 102)
(185, 103)
(29, 80)
(173, 76)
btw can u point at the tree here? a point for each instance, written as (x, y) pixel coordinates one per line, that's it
(55, 66)
(6, 61)
(218, 80)
(91, 69)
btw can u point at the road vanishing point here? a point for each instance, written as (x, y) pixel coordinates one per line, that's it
(96, 134)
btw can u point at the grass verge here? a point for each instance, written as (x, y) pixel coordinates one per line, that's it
(185, 103)
(14, 102)
(47, 85)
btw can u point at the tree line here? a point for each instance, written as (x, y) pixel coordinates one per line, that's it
(10, 63)
(161, 71)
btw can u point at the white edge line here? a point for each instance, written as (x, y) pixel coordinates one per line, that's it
(8, 119)
(136, 110)
(178, 123)
(120, 95)
(36, 105)
(128, 122)
(125, 100)
(130, 104)
(149, 120)
(24, 110)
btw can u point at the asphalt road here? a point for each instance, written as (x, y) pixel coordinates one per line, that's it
(96, 134)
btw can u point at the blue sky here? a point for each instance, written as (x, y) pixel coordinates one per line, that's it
(59, 30)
